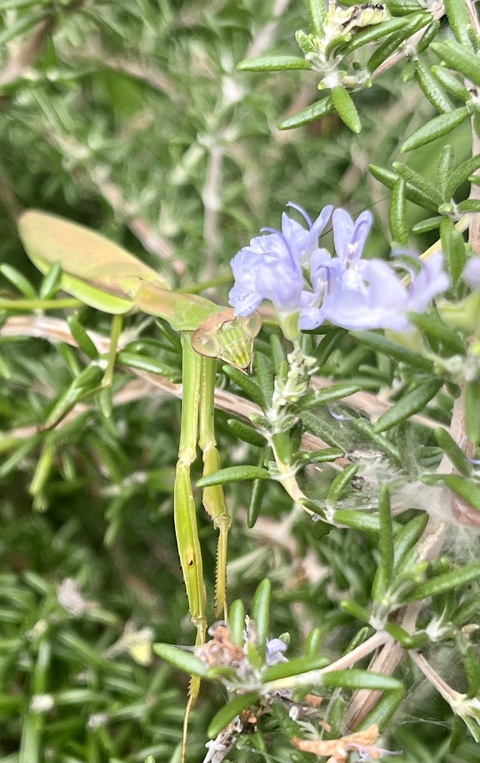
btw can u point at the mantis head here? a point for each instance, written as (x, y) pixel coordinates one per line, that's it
(227, 337)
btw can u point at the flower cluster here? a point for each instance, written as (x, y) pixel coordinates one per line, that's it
(288, 268)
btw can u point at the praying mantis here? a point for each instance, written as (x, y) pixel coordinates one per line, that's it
(105, 276)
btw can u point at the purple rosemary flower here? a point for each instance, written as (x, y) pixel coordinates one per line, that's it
(275, 649)
(357, 294)
(270, 268)
(471, 273)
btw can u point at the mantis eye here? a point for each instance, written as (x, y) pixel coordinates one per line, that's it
(251, 325)
(206, 343)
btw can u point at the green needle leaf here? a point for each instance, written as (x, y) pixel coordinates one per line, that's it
(316, 13)
(233, 474)
(345, 108)
(229, 712)
(360, 679)
(397, 214)
(273, 63)
(466, 489)
(435, 128)
(310, 114)
(446, 582)
(459, 58)
(181, 659)
(260, 612)
(413, 402)
(294, 667)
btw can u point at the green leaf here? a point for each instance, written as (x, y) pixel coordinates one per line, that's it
(459, 58)
(355, 610)
(430, 34)
(360, 679)
(229, 712)
(181, 659)
(51, 283)
(258, 491)
(450, 83)
(465, 488)
(251, 388)
(444, 169)
(472, 670)
(385, 708)
(407, 536)
(435, 128)
(310, 114)
(403, 7)
(233, 474)
(427, 225)
(273, 63)
(432, 89)
(340, 483)
(335, 392)
(383, 576)
(455, 454)
(459, 21)
(412, 194)
(446, 582)
(260, 613)
(417, 182)
(461, 175)
(406, 640)
(380, 343)
(372, 34)
(263, 369)
(81, 337)
(412, 402)
(294, 667)
(143, 363)
(397, 218)
(247, 433)
(453, 247)
(345, 108)
(316, 14)
(391, 45)
(18, 455)
(469, 205)
(313, 642)
(472, 407)
(435, 328)
(18, 280)
(236, 621)
(357, 520)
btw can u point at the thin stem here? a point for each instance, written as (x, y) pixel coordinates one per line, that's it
(449, 695)
(39, 304)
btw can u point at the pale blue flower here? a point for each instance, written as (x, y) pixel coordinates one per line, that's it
(274, 651)
(471, 273)
(270, 268)
(357, 294)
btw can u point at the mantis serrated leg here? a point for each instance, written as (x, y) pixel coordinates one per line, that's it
(213, 497)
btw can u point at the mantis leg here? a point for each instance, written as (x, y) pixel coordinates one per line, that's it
(185, 516)
(213, 497)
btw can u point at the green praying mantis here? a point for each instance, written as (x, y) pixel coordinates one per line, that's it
(107, 277)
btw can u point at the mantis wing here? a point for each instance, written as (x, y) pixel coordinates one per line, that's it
(104, 275)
